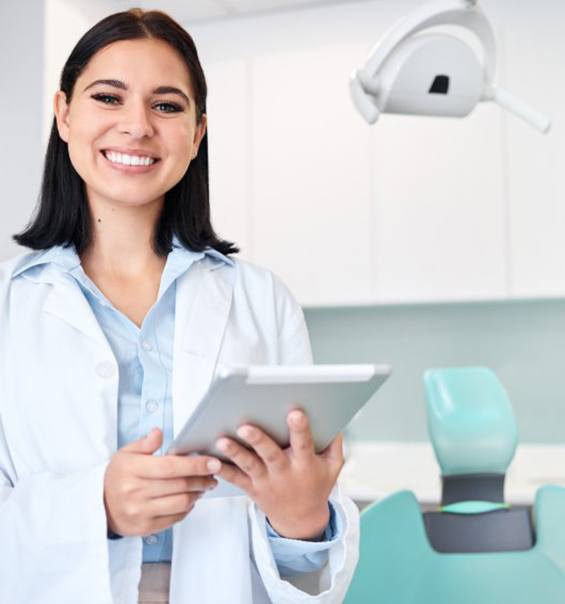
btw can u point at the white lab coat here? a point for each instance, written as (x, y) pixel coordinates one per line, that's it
(58, 430)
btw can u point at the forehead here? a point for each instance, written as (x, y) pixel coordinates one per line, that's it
(139, 63)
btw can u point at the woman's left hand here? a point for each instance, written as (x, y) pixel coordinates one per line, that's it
(291, 486)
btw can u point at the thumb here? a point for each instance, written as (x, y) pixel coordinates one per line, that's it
(148, 444)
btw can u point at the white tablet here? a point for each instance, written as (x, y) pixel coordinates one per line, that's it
(263, 395)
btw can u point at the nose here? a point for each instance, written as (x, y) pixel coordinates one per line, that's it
(136, 120)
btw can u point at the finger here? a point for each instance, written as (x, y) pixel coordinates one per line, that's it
(245, 460)
(301, 441)
(147, 445)
(172, 486)
(236, 477)
(176, 466)
(172, 504)
(265, 447)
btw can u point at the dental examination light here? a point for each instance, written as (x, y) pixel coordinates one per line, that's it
(419, 72)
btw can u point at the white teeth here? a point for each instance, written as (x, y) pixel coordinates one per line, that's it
(128, 160)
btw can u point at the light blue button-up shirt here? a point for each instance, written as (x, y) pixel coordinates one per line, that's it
(145, 360)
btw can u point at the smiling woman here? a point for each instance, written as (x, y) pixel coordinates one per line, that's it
(114, 328)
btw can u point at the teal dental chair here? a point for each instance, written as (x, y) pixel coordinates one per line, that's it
(475, 548)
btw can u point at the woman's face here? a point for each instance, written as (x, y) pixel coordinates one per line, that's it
(131, 116)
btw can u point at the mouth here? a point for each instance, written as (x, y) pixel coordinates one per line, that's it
(129, 163)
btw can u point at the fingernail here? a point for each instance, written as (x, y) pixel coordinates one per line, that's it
(244, 432)
(223, 445)
(295, 417)
(214, 465)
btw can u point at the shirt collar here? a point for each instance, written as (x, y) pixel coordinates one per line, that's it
(64, 257)
(179, 259)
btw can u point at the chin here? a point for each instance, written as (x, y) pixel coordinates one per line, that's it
(129, 198)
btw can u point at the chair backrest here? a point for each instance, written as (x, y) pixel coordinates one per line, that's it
(397, 565)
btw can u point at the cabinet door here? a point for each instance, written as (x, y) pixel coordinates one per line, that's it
(229, 151)
(440, 207)
(311, 202)
(536, 62)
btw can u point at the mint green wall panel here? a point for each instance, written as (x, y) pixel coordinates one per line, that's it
(523, 341)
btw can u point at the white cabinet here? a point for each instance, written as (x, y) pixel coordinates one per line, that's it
(411, 209)
(439, 207)
(535, 72)
(311, 201)
(408, 210)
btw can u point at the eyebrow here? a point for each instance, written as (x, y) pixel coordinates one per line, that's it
(123, 86)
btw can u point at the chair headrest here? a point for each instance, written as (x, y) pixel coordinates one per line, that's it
(470, 421)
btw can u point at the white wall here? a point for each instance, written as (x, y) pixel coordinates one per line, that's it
(21, 101)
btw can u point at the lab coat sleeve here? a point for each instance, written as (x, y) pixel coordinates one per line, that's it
(53, 530)
(326, 587)
(331, 583)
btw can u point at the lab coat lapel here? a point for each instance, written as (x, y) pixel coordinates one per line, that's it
(203, 302)
(66, 302)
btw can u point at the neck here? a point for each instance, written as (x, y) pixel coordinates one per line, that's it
(122, 241)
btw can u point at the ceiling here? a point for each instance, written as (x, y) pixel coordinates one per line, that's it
(204, 10)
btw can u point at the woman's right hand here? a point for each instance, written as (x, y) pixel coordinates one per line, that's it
(146, 493)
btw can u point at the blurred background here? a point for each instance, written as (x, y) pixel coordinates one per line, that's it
(419, 242)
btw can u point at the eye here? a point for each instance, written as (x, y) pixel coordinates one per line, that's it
(173, 107)
(102, 97)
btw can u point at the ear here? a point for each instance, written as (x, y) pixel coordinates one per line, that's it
(199, 134)
(61, 110)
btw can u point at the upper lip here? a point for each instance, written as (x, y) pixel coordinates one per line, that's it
(139, 152)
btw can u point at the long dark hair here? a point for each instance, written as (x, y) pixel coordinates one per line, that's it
(62, 215)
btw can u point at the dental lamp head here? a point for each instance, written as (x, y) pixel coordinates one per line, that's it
(415, 70)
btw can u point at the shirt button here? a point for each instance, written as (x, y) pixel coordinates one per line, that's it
(151, 539)
(151, 406)
(105, 369)
(146, 345)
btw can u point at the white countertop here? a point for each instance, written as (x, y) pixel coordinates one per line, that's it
(374, 470)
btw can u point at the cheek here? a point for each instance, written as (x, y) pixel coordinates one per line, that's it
(182, 139)
(181, 145)
(83, 137)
